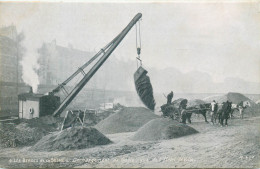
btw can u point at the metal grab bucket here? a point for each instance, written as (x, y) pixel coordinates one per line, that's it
(144, 88)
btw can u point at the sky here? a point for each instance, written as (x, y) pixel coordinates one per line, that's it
(221, 39)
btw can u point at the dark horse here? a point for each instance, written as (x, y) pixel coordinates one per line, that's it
(173, 111)
(200, 109)
(170, 110)
(224, 112)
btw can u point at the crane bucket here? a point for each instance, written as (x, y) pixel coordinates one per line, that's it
(144, 88)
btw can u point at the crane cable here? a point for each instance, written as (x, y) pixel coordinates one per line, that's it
(138, 42)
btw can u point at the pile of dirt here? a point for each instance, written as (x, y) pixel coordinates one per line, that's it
(92, 119)
(162, 129)
(104, 114)
(258, 102)
(70, 139)
(24, 132)
(252, 111)
(177, 101)
(235, 98)
(18, 136)
(46, 123)
(195, 102)
(128, 119)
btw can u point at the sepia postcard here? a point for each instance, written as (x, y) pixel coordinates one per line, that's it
(130, 84)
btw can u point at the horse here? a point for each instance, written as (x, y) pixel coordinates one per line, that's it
(224, 113)
(213, 112)
(175, 111)
(170, 110)
(233, 108)
(200, 109)
(216, 115)
(239, 107)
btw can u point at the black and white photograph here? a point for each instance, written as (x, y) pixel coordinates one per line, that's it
(130, 84)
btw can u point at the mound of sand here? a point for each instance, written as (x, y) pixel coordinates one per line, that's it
(232, 97)
(128, 119)
(71, 138)
(26, 132)
(162, 129)
(253, 110)
(178, 101)
(20, 135)
(195, 102)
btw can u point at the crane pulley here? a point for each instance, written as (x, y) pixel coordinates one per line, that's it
(142, 82)
(138, 42)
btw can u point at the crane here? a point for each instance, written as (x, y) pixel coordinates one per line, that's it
(105, 52)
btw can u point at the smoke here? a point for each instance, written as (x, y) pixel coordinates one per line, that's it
(30, 67)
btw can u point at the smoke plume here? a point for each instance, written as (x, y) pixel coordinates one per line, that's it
(30, 66)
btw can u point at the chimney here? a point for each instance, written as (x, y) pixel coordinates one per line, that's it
(31, 89)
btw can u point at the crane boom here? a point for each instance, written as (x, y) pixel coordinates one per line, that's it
(57, 89)
(94, 69)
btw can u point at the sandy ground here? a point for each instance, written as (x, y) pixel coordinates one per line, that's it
(237, 145)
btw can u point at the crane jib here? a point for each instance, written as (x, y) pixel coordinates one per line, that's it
(94, 69)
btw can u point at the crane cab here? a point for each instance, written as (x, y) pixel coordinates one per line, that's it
(33, 105)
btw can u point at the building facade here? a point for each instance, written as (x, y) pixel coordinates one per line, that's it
(57, 63)
(10, 71)
(10, 56)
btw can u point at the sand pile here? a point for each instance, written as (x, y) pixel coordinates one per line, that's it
(18, 136)
(178, 101)
(128, 119)
(237, 98)
(232, 97)
(195, 102)
(26, 132)
(253, 110)
(162, 129)
(71, 138)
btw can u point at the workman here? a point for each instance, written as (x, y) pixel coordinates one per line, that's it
(169, 98)
(182, 108)
(213, 110)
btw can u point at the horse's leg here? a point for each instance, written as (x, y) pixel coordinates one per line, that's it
(188, 117)
(183, 118)
(204, 114)
(226, 119)
(212, 117)
(221, 120)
